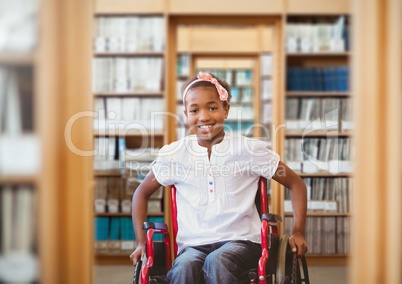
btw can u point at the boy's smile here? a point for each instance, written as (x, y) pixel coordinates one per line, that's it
(206, 114)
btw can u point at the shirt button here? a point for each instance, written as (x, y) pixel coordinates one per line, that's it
(210, 182)
(211, 190)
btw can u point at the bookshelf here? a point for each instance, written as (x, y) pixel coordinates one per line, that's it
(319, 127)
(19, 136)
(128, 87)
(43, 185)
(189, 39)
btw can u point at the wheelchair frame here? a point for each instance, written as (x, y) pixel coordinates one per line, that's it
(284, 264)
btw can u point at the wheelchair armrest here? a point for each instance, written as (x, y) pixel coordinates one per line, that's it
(271, 217)
(155, 226)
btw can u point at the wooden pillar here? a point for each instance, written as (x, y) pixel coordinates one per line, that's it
(75, 64)
(376, 85)
(64, 94)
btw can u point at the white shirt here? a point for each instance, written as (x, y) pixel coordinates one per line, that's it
(215, 197)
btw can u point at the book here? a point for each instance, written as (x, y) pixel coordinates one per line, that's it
(127, 234)
(100, 194)
(101, 229)
(20, 27)
(114, 243)
(18, 262)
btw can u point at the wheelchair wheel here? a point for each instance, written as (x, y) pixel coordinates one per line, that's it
(280, 275)
(137, 271)
(290, 269)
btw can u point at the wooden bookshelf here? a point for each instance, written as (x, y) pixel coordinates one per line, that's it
(328, 260)
(318, 134)
(259, 7)
(113, 258)
(17, 59)
(150, 133)
(131, 94)
(183, 17)
(157, 214)
(316, 92)
(116, 182)
(62, 63)
(18, 179)
(58, 187)
(306, 94)
(126, 7)
(129, 54)
(265, 7)
(323, 214)
(324, 174)
(317, 7)
(116, 173)
(318, 54)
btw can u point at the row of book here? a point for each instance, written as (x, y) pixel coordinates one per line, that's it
(16, 99)
(18, 207)
(18, 27)
(116, 234)
(108, 155)
(19, 146)
(130, 114)
(319, 79)
(266, 67)
(327, 34)
(266, 64)
(125, 75)
(129, 34)
(266, 115)
(266, 89)
(319, 113)
(241, 94)
(266, 94)
(234, 77)
(114, 195)
(183, 64)
(313, 155)
(239, 113)
(111, 154)
(333, 194)
(324, 235)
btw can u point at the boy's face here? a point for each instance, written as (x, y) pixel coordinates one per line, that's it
(206, 113)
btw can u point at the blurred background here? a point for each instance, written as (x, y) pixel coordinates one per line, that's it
(90, 90)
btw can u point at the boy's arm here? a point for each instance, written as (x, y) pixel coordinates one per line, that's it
(139, 212)
(288, 178)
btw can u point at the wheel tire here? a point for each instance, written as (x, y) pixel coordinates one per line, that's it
(281, 260)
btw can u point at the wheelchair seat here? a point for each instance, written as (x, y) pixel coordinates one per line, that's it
(277, 264)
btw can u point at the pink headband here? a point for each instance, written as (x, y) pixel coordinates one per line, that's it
(223, 94)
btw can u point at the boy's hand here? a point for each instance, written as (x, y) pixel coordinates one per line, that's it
(137, 254)
(298, 244)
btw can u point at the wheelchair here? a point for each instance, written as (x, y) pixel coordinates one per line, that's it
(277, 264)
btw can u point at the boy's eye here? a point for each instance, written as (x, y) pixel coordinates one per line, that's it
(213, 108)
(193, 110)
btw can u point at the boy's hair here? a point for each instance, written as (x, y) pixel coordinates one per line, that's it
(223, 83)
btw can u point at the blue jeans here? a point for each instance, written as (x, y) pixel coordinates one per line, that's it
(217, 263)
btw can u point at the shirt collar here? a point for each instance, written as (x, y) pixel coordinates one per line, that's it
(224, 144)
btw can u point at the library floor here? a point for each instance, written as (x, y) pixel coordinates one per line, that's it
(108, 274)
